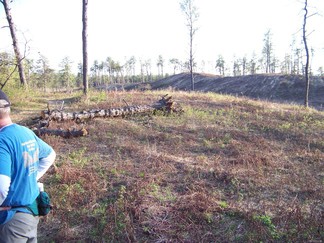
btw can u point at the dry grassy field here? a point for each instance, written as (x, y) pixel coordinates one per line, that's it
(228, 169)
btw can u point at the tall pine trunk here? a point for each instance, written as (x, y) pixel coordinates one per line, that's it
(191, 13)
(85, 45)
(307, 56)
(18, 55)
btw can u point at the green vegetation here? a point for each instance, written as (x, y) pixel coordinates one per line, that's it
(227, 170)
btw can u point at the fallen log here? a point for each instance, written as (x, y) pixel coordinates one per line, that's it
(165, 104)
(57, 115)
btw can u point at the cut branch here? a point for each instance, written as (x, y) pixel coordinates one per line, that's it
(61, 133)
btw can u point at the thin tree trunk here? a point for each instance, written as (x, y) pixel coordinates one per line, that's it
(307, 56)
(19, 58)
(85, 45)
(191, 14)
(191, 61)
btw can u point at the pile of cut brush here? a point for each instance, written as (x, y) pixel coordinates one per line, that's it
(41, 124)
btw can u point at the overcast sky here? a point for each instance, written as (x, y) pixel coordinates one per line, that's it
(147, 28)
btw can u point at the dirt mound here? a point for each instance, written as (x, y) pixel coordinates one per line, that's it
(275, 87)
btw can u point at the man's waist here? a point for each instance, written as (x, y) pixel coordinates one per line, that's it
(21, 209)
(4, 208)
(12, 207)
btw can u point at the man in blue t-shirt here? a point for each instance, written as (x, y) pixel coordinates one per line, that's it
(24, 158)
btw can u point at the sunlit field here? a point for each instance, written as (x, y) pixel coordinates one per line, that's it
(227, 169)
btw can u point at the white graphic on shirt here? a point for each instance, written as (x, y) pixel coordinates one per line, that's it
(30, 155)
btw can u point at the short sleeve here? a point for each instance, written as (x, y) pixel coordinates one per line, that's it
(5, 160)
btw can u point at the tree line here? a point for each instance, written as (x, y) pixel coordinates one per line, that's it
(267, 62)
(39, 74)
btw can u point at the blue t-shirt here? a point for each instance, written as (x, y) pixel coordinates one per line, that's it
(20, 152)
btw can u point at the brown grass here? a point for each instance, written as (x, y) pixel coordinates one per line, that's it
(227, 170)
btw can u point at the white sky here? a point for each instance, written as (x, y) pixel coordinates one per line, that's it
(148, 28)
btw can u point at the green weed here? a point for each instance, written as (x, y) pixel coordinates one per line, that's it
(267, 222)
(223, 204)
(162, 194)
(78, 158)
